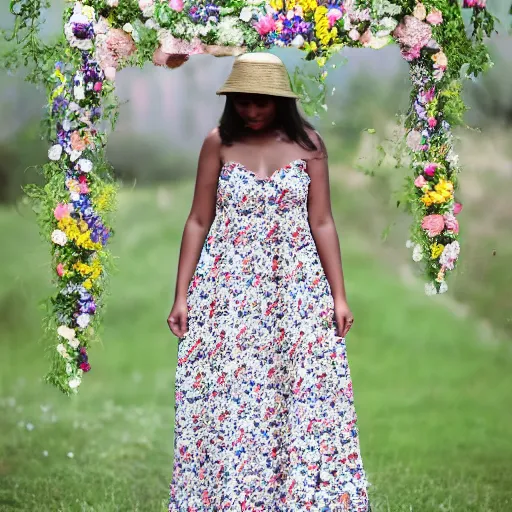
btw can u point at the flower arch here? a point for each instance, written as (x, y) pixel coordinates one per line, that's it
(102, 36)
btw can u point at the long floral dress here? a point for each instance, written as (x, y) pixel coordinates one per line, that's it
(264, 412)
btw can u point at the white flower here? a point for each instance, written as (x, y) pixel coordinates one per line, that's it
(83, 320)
(45, 453)
(112, 3)
(71, 455)
(74, 342)
(417, 253)
(450, 255)
(79, 92)
(430, 289)
(128, 27)
(443, 287)
(73, 384)
(85, 165)
(409, 244)
(55, 152)
(298, 41)
(228, 33)
(66, 332)
(246, 14)
(75, 155)
(69, 369)
(61, 349)
(59, 237)
(66, 125)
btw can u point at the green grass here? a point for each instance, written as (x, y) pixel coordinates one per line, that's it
(432, 397)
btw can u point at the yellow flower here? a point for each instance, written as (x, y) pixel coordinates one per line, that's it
(427, 200)
(88, 11)
(277, 5)
(308, 5)
(436, 250)
(87, 284)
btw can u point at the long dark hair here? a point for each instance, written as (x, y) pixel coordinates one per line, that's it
(288, 118)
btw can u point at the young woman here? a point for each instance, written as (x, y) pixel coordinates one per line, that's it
(264, 413)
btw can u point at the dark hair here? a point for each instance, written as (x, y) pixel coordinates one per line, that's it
(288, 118)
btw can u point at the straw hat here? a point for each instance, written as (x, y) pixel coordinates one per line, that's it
(258, 73)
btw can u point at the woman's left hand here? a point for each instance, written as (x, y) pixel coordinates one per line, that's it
(343, 318)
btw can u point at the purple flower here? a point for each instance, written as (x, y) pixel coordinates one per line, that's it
(83, 30)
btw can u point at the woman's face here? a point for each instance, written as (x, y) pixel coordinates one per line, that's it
(256, 110)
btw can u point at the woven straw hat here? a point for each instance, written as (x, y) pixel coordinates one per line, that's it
(258, 73)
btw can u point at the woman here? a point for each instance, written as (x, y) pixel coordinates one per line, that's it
(265, 419)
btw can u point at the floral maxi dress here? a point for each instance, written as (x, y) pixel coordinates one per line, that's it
(264, 411)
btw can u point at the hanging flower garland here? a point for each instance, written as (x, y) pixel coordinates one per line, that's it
(103, 36)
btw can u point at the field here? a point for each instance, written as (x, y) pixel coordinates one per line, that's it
(432, 392)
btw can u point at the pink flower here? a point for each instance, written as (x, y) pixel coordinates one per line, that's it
(433, 224)
(117, 44)
(61, 211)
(432, 122)
(412, 34)
(420, 181)
(265, 25)
(429, 95)
(171, 45)
(98, 86)
(452, 224)
(60, 269)
(430, 169)
(435, 17)
(176, 5)
(457, 207)
(333, 15)
(84, 189)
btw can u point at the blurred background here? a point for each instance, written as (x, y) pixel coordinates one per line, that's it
(432, 375)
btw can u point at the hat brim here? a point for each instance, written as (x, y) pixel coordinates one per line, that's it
(262, 91)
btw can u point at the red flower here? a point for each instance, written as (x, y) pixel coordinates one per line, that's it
(85, 367)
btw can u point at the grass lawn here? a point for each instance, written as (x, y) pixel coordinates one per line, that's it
(432, 397)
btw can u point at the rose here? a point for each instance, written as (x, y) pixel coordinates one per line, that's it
(60, 270)
(457, 207)
(433, 224)
(420, 181)
(435, 17)
(430, 169)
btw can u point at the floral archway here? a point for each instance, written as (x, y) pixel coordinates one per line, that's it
(101, 37)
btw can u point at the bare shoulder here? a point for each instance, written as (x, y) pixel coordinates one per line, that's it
(213, 139)
(316, 138)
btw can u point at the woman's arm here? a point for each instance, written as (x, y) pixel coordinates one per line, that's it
(325, 234)
(201, 214)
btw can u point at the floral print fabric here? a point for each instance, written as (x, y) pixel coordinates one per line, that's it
(264, 412)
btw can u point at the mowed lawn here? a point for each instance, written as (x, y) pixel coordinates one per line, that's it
(432, 395)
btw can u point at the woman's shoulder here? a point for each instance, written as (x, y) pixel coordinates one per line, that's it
(316, 138)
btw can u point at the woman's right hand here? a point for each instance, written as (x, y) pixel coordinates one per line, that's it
(177, 319)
